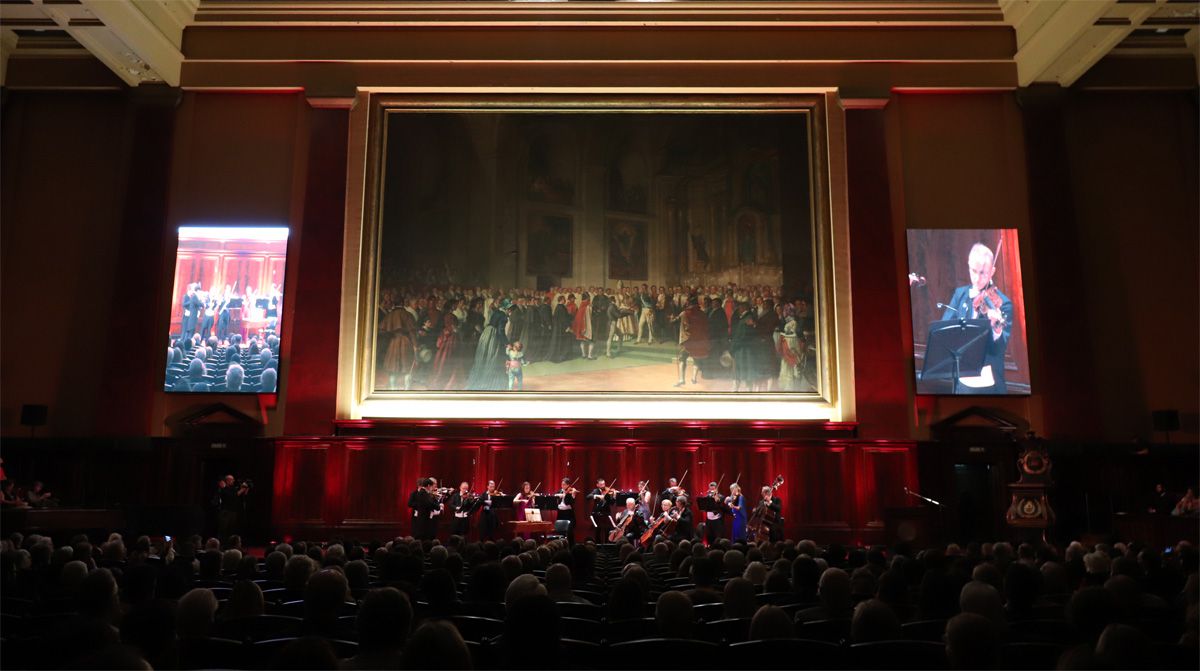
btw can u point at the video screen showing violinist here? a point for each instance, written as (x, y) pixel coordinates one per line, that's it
(968, 312)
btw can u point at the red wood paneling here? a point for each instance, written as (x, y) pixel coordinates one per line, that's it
(833, 491)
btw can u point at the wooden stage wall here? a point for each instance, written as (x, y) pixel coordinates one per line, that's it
(835, 490)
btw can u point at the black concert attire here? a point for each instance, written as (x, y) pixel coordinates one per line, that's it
(462, 506)
(566, 511)
(666, 495)
(423, 504)
(488, 521)
(206, 324)
(961, 305)
(714, 525)
(192, 306)
(223, 320)
(231, 509)
(601, 509)
(683, 525)
(776, 520)
(635, 527)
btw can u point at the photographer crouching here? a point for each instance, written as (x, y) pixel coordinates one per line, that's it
(232, 496)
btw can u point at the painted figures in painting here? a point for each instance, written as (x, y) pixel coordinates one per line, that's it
(582, 252)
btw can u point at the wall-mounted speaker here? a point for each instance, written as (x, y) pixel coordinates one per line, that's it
(34, 415)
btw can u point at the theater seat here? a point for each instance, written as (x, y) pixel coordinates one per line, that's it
(731, 630)
(924, 630)
(212, 653)
(790, 651)
(831, 631)
(583, 611)
(1030, 656)
(258, 627)
(1043, 631)
(709, 612)
(669, 653)
(474, 628)
(619, 631)
(898, 655)
(580, 629)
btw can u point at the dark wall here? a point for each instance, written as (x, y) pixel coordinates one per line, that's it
(1110, 279)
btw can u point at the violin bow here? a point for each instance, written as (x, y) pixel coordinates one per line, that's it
(685, 474)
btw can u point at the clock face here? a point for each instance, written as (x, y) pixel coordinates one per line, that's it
(1029, 508)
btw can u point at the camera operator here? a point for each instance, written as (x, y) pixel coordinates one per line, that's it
(233, 503)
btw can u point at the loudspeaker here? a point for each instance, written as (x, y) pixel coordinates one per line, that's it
(1165, 420)
(35, 415)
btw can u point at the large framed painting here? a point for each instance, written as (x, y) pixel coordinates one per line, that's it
(505, 259)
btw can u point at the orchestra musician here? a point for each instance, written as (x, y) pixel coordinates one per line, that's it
(737, 504)
(671, 492)
(488, 521)
(522, 501)
(566, 507)
(775, 504)
(714, 520)
(645, 504)
(981, 267)
(632, 520)
(684, 530)
(426, 507)
(602, 497)
(462, 502)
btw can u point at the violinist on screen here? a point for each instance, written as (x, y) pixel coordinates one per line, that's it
(994, 306)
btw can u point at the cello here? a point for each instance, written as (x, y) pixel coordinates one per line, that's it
(763, 519)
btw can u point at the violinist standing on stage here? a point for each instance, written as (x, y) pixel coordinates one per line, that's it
(602, 500)
(671, 492)
(737, 504)
(714, 520)
(462, 503)
(566, 507)
(964, 304)
(488, 521)
(426, 507)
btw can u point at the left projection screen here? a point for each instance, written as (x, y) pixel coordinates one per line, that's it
(226, 310)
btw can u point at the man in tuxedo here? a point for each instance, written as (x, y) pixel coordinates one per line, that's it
(602, 501)
(192, 305)
(775, 517)
(566, 508)
(425, 507)
(981, 267)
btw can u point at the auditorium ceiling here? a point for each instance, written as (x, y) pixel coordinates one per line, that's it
(328, 47)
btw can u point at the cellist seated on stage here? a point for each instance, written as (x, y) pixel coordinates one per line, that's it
(630, 521)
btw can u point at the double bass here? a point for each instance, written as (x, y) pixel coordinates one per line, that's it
(763, 519)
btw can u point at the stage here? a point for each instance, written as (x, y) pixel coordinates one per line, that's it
(356, 483)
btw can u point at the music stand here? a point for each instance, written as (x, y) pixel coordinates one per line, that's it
(955, 347)
(622, 496)
(707, 504)
(545, 502)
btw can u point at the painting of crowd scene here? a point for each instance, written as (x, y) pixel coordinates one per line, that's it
(225, 314)
(575, 252)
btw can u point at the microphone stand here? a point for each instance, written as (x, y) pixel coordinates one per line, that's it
(941, 508)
